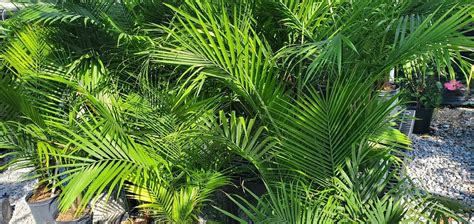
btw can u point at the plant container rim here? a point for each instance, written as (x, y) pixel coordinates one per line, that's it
(42, 201)
(397, 88)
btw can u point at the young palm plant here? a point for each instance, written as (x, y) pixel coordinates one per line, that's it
(166, 105)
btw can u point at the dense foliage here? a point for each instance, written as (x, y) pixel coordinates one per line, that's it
(173, 100)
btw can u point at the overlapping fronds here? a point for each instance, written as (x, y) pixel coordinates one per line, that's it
(167, 98)
(319, 129)
(178, 204)
(222, 42)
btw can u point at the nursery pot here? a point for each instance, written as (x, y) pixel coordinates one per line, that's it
(387, 95)
(85, 219)
(453, 98)
(44, 211)
(423, 120)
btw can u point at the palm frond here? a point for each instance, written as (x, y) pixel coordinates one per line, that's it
(49, 14)
(28, 51)
(319, 129)
(179, 204)
(243, 137)
(226, 47)
(287, 203)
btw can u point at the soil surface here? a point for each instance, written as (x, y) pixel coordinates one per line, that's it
(41, 194)
(70, 215)
(387, 87)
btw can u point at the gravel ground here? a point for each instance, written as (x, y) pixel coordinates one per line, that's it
(17, 191)
(443, 161)
(9, 185)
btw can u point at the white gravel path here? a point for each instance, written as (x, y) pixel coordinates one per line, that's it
(442, 167)
(17, 191)
(442, 161)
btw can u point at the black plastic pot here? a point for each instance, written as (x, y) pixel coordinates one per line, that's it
(423, 120)
(44, 211)
(85, 219)
(453, 98)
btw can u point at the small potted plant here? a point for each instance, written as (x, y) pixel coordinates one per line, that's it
(24, 134)
(424, 90)
(43, 204)
(453, 93)
(32, 153)
(428, 97)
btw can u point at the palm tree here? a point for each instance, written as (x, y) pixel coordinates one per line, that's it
(83, 119)
(168, 105)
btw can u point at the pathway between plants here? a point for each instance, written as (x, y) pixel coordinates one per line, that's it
(443, 161)
(10, 185)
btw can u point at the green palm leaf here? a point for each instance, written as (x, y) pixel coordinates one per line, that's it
(110, 162)
(320, 129)
(243, 137)
(224, 46)
(177, 204)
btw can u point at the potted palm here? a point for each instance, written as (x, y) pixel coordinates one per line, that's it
(30, 153)
(23, 132)
(43, 204)
(43, 200)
